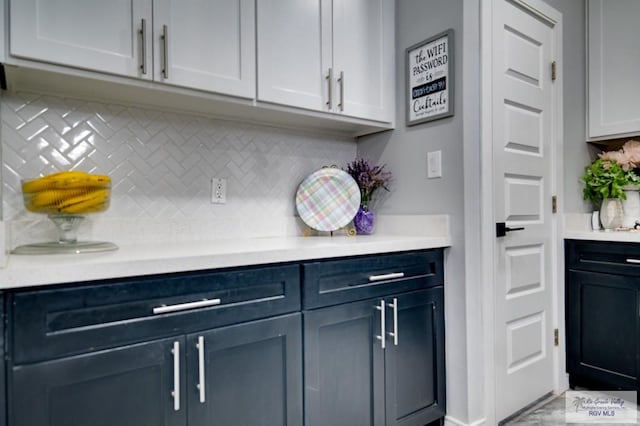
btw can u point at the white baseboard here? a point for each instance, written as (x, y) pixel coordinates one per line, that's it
(450, 421)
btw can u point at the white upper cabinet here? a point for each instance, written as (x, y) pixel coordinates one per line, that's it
(291, 58)
(206, 44)
(93, 34)
(614, 68)
(363, 57)
(328, 55)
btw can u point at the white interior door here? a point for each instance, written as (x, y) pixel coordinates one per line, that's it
(523, 119)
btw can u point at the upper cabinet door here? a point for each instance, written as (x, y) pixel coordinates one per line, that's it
(206, 44)
(294, 52)
(363, 55)
(613, 63)
(96, 35)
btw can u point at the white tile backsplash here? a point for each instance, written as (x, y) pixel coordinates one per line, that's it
(161, 164)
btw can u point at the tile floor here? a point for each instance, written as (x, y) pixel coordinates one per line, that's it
(548, 412)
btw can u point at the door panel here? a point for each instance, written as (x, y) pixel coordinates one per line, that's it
(96, 35)
(415, 381)
(602, 325)
(363, 51)
(129, 386)
(523, 103)
(211, 45)
(294, 52)
(253, 374)
(344, 366)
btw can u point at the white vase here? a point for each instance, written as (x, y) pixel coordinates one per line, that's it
(631, 207)
(611, 213)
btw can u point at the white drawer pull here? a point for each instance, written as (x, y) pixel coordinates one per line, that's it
(184, 306)
(633, 261)
(390, 276)
(176, 376)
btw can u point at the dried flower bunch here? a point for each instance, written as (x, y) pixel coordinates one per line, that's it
(369, 178)
(607, 176)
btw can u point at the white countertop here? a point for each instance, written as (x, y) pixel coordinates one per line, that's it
(577, 226)
(154, 258)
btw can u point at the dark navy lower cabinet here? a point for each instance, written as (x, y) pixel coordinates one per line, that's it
(377, 361)
(247, 374)
(128, 386)
(414, 367)
(602, 303)
(356, 341)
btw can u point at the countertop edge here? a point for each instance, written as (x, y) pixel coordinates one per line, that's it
(139, 260)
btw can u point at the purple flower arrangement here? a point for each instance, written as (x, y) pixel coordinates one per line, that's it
(369, 178)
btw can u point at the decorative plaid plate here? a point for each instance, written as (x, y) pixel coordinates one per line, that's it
(328, 199)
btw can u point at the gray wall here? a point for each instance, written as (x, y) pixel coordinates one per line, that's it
(404, 150)
(576, 153)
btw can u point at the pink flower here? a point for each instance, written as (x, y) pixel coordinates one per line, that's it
(631, 150)
(619, 157)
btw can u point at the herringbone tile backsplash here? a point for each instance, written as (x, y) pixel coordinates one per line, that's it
(161, 162)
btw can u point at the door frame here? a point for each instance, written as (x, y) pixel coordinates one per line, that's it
(487, 208)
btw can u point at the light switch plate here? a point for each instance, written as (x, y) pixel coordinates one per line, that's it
(434, 164)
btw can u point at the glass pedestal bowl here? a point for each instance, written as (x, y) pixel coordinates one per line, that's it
(66, 197)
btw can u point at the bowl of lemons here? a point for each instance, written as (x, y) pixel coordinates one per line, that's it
(66, 197)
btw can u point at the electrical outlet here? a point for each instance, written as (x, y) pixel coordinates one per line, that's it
(218, 191)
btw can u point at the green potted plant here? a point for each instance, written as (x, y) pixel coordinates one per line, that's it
(606, 180)
(612, 183)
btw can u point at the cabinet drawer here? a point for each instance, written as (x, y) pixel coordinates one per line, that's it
(62, 321)
(346, 280)
(620, 258)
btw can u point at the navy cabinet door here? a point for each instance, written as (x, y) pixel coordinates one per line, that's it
(344, 366)
(127, 386)
(252, 374)
(602, 329)
(414, 368)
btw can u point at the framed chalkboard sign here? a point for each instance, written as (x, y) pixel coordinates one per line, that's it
(430, 79)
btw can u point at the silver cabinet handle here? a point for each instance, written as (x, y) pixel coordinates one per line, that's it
(330, 84)
(383, 334)
(176, 376)
(165, 51)
(143, 46)
(184, 306)
(636, 261)
(383, 277)
(341, 81)
(394, 334)
(200, 346)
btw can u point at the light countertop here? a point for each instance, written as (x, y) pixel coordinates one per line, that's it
(577, 226)
(153, 258)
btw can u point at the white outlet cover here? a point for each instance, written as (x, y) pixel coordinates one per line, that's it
(218, 191)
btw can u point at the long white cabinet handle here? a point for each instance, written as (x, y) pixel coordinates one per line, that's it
(200, 346)
(383, 332)
(383, 277)
(637, 261)
(176, 376)
(394, 333)
(185, 306)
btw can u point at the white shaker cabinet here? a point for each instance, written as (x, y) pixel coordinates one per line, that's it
(201, 44)
(613, 68)
(98, 35)
(206, 45)
(328, 55)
